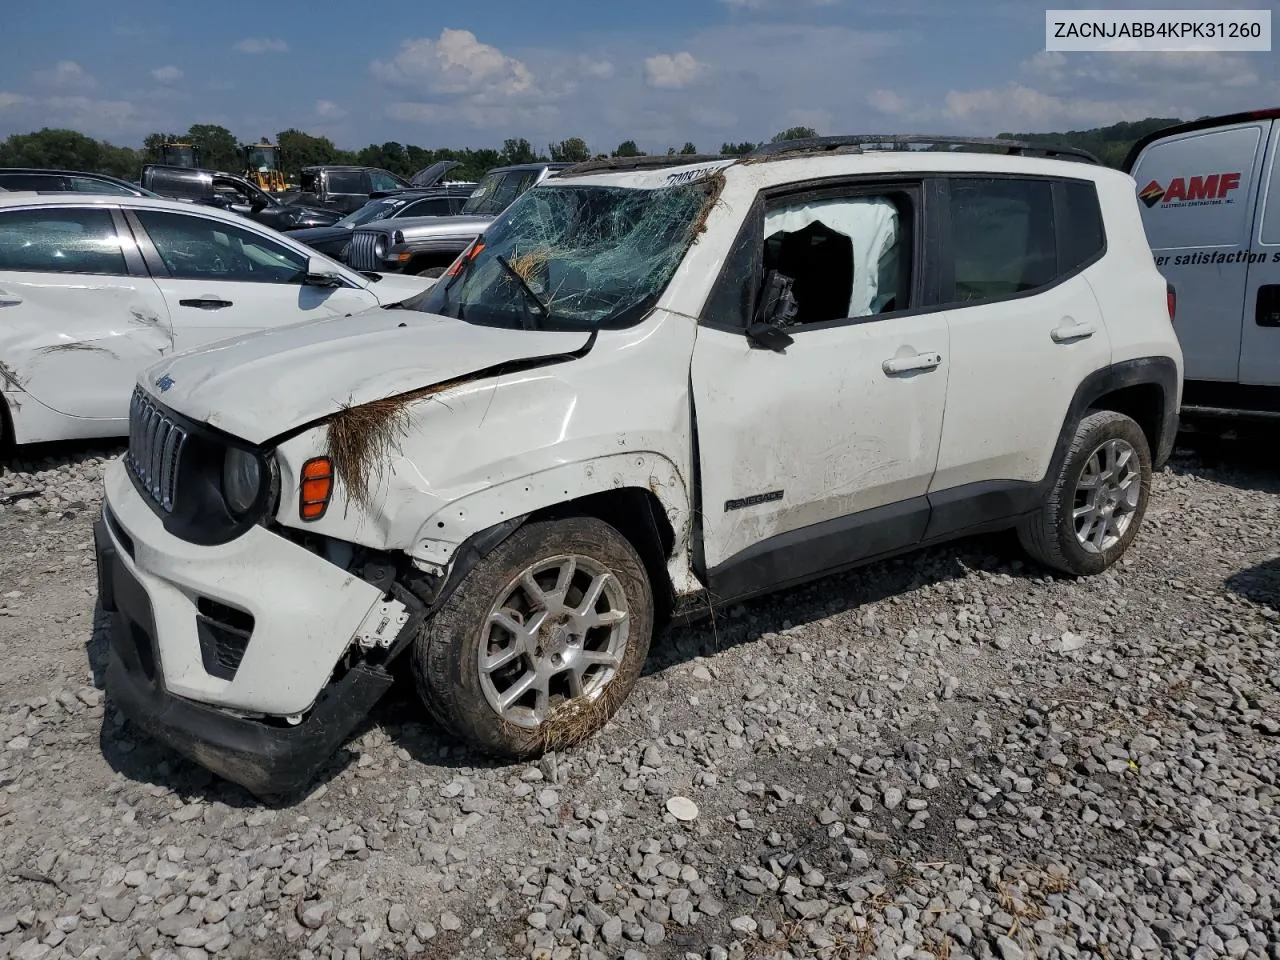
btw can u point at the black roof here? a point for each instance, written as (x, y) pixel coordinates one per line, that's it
(894, 141)
(1204, 123)
(343, 166)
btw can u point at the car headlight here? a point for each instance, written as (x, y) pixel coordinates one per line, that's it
(241, 480)
(380, 246)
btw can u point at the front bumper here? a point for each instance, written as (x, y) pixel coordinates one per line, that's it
(153, 591)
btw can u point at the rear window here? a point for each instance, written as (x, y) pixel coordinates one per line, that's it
(32, 181)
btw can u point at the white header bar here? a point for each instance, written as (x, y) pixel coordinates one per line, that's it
(1110, 31)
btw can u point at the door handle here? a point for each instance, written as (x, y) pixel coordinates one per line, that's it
(1072, 331)
(921, 361)
(206, 303)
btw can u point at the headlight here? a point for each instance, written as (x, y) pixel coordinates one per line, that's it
(241, 480)
(380, 246)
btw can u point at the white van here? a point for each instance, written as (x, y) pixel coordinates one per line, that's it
(1209, 193)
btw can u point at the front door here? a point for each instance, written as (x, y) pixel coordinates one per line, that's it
(821, 455)
(220, 280)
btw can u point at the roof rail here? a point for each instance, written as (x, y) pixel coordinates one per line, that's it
(639, 163)
(860, 142)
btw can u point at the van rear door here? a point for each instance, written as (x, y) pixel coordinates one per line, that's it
(1196, 191)
(1260, 337)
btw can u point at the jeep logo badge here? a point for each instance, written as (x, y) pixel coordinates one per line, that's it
(165, 382)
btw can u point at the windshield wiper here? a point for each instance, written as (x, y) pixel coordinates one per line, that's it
(542, 305)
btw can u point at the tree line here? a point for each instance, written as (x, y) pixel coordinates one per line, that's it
(221, 150)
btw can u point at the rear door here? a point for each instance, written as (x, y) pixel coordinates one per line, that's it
(79, 316)
(1260, 336)
(220, 279)
(1197, 195)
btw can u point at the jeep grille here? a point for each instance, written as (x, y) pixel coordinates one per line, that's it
(362, 254)
(155, 450)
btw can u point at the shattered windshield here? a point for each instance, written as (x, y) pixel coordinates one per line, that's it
(572, 258)
(373, 210)
(497, 191)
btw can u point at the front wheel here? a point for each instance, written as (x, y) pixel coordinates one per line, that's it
(541, 642)
(1094, 509)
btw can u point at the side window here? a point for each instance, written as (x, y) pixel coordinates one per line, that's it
(1080, 229)
(60, 240)
(1002, 238)
(847, 257)
(33, 181)
(196, 248)
(381, 181)
(430, 207)
(347, 181)
(86, 185)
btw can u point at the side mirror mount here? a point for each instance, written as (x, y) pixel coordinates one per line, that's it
(777, 311)
(258, 205)
(320, 274)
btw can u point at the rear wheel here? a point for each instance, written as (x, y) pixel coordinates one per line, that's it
(541, 642)
(1093, 511)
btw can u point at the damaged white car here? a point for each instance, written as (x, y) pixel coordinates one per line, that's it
(95, 288)
(647, 389)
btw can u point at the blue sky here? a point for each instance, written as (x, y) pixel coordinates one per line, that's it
(659, 71)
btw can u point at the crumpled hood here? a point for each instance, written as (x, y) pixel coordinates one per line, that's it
(263, 384)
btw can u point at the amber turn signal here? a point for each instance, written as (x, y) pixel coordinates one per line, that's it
(317, 488)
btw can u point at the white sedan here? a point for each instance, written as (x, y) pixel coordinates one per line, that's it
(94, 289)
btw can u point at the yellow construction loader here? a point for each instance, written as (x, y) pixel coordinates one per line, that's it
(178, 154)
(262, 166)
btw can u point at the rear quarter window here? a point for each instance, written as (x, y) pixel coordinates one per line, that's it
(1080, 231)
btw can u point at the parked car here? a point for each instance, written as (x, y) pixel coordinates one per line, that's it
(13, 179)
(95, 288)
(429, 202)
(227, 191)
(346, 188)
(426, 246)
(1210, 193)
(650, 387)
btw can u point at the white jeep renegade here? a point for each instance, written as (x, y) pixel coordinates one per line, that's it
(647, 389)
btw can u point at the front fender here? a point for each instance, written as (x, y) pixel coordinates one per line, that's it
(552, 485)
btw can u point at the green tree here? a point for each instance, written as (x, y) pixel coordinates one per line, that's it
(298, 150)
(219, 149)
(736, 149)
(572, 150)
(518, 151)
(68, 150)
(796, 133)
(688, 149)
(628, 148)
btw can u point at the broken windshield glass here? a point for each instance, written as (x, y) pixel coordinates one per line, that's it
(572, 258)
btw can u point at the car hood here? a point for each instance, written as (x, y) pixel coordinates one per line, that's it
(394, 287)
(417, 227)
(319, 234)
(315, 211)
(263, 384)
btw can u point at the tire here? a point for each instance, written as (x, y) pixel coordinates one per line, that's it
(446, 654)
(1052, 535)
(432, 272)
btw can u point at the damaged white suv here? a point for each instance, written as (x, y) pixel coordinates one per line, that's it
(647, 389)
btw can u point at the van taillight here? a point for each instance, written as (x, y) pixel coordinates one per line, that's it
(1171, 300)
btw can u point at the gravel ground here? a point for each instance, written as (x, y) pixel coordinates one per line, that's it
(950, 755)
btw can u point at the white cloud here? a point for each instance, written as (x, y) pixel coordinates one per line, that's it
(886, 101)
(455, 64)
(599, 69)
(672, 71)
(65, 75)
(776, 4)
(1024, 108)
(168, 74)
(328, 110)
(260, 45)
(12, 100)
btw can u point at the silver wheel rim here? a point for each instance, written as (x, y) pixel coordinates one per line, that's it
(1107, 496)
(558, 632)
